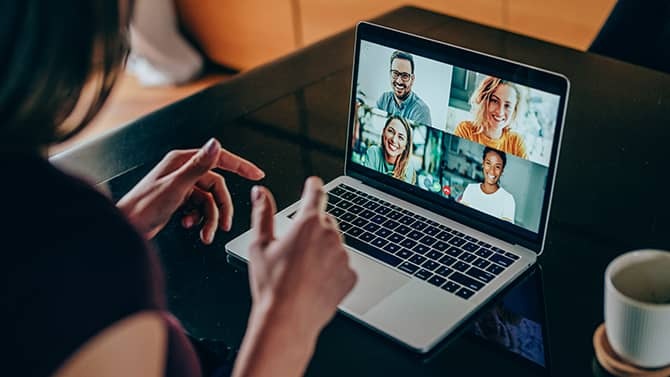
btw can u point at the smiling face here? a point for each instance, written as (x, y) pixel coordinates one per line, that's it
(493, 167)
(401, 78)
(394, 139)
(501, 107)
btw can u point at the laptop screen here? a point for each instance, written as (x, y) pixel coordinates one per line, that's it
(457, 130)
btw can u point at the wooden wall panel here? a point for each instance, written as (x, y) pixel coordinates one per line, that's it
(240, 34)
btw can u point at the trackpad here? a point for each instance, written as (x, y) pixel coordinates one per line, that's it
(375, 282)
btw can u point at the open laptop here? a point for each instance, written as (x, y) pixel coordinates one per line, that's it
(436, 223)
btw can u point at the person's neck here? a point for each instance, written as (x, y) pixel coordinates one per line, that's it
(390, 159)
(493, 132)
(488, 188)
(400, 101)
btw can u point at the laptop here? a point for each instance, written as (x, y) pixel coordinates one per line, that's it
(449, 169)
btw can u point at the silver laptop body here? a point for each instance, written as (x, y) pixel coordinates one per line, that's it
(410, 302)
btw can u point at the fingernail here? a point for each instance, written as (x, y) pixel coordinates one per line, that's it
(256, 193)
(210, 146)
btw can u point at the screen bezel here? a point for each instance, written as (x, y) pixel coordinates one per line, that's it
(461, 57)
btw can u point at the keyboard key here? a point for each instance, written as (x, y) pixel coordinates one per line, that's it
(444, 271)
(408, 267)
(356, 209)
(423, 274)
(466, 281)
(454, 251)
(367, 237)
(348, 216)
(501, 260)
(421, 249)
(457, 241)
(495, 269)
(344, 226)
(408, 243)
(404, 253)
(337, 212)
(393, 248)
(379, 242)
(481, 263)
(395, 238)
(511, 256)
(403, 229)
(371, 205)
(348, 195)
(356, 232)
(470, 246)
(484, 253)
(418, 225)
(360, 200)
(344, 204)
(444, 236)
(461, 266)
(437, 280)
(366, 214)
(337, 191)
(359, 222)
(415, 235)
(467, 257)
(417, 259)
(431, 230)
(372, 251)
(440, 246)
(464, 293)
(381, 232)
(427, 240)
(431, 265)
(434, 255)
(395, 215)
(382, 210)
(390, 224)
(450, 286)
(371, 227)
(484, 244)
(479, 274)
(447, 260)
(471, 239)
(332, 199)
(497, 250)
(378, 219)
(407, 220)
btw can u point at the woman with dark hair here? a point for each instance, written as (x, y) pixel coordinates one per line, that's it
(495, 104)
(85, 296)
(392, 157)
(489, 196)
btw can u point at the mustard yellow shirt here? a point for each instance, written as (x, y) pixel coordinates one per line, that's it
(509, 142)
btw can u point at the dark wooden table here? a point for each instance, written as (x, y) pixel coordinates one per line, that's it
(290, 117)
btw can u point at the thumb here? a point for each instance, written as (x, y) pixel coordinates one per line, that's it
(200, 163)
(262, 214)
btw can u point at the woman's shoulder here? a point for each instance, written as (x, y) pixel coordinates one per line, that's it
(80, 262)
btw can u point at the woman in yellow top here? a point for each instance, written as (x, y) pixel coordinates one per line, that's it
(495, 104)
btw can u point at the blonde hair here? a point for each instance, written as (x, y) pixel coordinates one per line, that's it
(482, 95)
(400, 167)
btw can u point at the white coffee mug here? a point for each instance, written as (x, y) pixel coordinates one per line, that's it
(637, 307)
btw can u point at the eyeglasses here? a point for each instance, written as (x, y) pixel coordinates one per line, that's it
(404, 76)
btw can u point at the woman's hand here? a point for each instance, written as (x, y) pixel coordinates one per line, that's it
(296, 281)
(183, 179)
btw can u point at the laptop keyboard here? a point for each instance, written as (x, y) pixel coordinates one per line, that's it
(457, 263)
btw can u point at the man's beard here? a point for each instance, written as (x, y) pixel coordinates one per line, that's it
(404, 97)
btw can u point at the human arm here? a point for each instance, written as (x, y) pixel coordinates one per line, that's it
(134, 346)
(296, 282)
(184, 179)
(509, 208)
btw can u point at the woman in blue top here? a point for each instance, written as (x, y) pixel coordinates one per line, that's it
(392, 157)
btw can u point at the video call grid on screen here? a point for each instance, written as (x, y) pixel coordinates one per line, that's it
(445, 155)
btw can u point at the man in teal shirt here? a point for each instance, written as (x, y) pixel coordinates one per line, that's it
(401, 100)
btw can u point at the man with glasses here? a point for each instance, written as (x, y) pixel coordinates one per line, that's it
(400, 100)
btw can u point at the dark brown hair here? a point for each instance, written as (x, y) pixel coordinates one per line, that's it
(51, 51)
